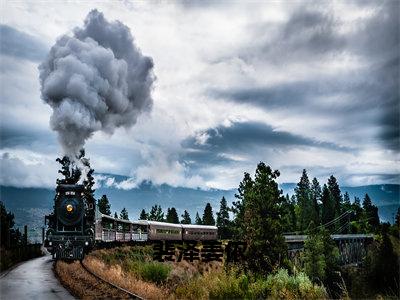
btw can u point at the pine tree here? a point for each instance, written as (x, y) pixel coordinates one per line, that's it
(332, 274)
(7, 223)
(358, 224)
(314, 258)
(143, 215)
(198, 220)
(328, 206)
(245, 191)
(371, 213)
(356, 207)
(156, 214)
(115, 215)
(259, 207)
(186, 218)
(316, 195)
(104, 205)
(397, 220)
(336, 195)
(124, 214)
(346, 202)
(208, 216)
(347, 208)
(172, 216)
(289, 214)
(223, 222)
(303, 195)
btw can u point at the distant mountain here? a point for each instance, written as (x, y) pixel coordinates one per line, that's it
(31, 204)
(146, 195)
(385, 196)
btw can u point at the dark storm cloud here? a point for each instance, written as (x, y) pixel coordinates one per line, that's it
(294, 94)
(12, 136)
(308, 33)
(369, 97)
(196, 158)
(243, 136)
(20, 44)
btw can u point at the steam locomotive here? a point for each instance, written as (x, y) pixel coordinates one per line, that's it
(76, 226)
(70, 228)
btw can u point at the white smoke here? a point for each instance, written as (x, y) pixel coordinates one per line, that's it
(95, 80)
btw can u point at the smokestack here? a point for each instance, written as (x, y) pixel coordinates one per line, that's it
(95, 80)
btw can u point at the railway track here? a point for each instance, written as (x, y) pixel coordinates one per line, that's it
(122, 290)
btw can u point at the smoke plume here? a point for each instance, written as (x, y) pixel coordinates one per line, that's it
(95, 80)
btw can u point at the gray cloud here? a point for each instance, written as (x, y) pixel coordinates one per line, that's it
(27, 172)
(97, 80)
(369, 97)
(308, 33)
(243, 136)
(291, 95)
(20, 44)
(14, 136)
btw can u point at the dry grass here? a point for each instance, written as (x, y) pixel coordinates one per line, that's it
(113, 264)
(116, 275)
(184, 280)
(83, 285)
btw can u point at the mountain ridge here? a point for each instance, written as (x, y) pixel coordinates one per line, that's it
(31, 204)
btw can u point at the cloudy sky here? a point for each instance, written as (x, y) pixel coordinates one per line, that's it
(294, 84)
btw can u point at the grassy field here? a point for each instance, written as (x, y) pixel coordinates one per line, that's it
(133, 269)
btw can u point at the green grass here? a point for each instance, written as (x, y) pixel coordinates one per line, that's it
(149, 271)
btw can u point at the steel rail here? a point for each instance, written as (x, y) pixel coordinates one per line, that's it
(132, 295)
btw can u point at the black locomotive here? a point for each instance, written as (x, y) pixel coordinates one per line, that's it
(70, 228)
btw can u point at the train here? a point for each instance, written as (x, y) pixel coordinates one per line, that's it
(76, 226)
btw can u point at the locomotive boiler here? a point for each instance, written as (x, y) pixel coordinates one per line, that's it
(70, 231)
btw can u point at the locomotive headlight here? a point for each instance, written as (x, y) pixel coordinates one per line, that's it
(86, 243)
(70, 208)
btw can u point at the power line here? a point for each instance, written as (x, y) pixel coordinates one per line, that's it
(327, 224)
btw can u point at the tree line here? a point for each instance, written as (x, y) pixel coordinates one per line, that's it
(9, 235)
(309, 207)
(156, 213)
(313, 205)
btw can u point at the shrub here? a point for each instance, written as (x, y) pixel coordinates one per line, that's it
(153, 271)
(283, 286)
(258, 290)
(215, 285)
(228, 286)
(192, 289)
